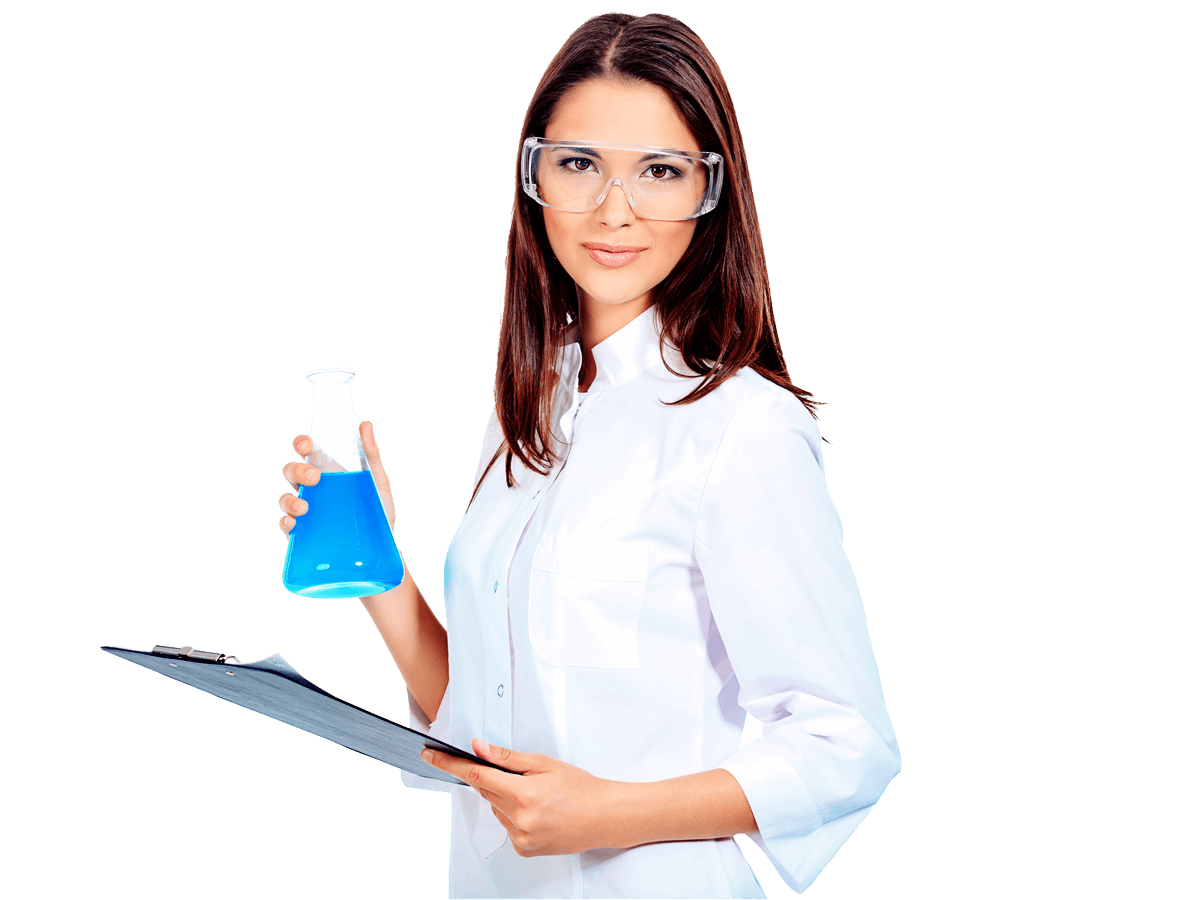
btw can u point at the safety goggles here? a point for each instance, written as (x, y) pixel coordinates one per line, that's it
(659, 183)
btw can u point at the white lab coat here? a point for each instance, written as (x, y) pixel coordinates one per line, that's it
(681, 567)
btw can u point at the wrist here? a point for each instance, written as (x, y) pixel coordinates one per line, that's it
(625, 814)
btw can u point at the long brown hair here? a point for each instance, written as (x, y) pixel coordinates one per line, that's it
(716, 303)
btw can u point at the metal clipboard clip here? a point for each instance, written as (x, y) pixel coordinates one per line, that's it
(195, 655)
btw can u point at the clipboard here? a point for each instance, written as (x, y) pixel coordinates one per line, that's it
(273, 688)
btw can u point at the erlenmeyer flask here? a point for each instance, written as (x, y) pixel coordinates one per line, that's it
(342, 546)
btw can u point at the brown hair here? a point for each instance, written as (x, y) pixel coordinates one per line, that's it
(716, 303)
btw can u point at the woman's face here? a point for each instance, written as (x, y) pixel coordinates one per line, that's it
(624, 112)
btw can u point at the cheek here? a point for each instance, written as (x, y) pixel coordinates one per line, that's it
(674, 239)
(556, 231)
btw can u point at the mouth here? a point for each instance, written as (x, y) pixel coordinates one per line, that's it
(613, 257)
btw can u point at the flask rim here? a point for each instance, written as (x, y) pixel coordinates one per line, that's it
(315, 376)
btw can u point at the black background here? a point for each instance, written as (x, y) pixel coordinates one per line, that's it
(295, 199)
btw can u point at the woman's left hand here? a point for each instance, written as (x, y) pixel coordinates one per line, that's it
(551, 809)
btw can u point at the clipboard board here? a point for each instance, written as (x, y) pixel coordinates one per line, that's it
(273, 688)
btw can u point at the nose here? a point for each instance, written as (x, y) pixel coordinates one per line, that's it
(612, 210)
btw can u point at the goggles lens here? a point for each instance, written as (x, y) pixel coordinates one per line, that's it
(658, 183)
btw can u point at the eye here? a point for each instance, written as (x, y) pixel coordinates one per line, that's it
(663, 172)
(574, 164)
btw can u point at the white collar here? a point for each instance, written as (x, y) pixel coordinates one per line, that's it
(624, 354)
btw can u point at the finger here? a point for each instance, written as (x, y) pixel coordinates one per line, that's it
(463, 769)
(286, 524)
(293, 505)
(301, 473)
(294, 472)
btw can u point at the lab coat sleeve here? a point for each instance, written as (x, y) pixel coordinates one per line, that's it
(783, 597)
(439, 729)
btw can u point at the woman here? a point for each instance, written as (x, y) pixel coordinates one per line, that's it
(658, 554)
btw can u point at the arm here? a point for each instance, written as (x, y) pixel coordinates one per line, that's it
(784, 599)
(550, 807)
(414, 636)
(416, 640)
(694, 807)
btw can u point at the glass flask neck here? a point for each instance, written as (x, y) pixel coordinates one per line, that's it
(331, 394)
(337, 446)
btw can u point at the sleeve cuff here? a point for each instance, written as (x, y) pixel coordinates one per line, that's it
(791, 832)
(810, 853)
(781, 803)
(439, 729)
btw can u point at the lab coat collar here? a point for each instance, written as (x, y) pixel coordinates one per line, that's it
(621, 356)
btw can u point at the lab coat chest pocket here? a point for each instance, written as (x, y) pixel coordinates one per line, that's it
(585, 600)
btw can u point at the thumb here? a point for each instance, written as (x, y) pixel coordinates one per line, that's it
(504, 756)
(367, 432)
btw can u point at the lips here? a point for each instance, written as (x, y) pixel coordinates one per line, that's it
(613, 257)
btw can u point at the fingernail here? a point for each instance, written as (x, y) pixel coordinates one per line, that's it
(427, 755)
(487, 748)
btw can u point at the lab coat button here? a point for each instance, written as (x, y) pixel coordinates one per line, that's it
(495, 587)
(500, 691)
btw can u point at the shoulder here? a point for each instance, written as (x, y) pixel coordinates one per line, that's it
(762, 412)
(747, 414)
(744, 387)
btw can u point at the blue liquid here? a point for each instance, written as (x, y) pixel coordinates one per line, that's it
(342, 547)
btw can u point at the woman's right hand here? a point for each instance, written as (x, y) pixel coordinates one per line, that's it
(302, 473)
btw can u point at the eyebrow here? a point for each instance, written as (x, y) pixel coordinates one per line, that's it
(588, 151)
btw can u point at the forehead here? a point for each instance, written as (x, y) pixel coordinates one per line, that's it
(622, 112)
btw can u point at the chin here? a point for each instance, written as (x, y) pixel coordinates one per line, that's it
(610, 295)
